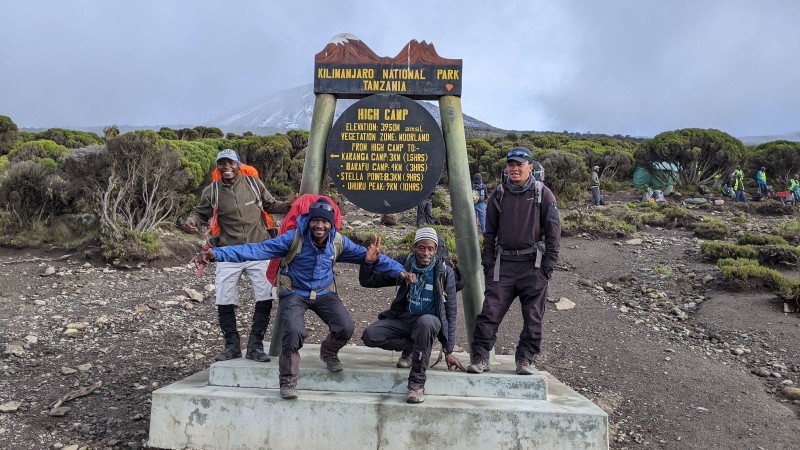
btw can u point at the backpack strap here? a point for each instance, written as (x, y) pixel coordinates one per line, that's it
(284, 282)
(213, 221)
(251, 180)
(539, 247)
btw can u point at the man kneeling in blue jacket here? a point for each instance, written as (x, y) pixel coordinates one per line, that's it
(421, 311)
(307, 283)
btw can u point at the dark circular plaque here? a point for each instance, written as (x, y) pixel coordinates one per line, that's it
(385, 153)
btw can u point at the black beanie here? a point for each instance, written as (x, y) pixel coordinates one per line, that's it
(321, 208)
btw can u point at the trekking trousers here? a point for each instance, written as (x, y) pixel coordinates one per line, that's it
(517, 278)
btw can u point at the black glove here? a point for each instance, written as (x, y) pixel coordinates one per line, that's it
(548, 272)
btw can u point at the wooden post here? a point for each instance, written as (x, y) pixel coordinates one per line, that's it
(466, 231)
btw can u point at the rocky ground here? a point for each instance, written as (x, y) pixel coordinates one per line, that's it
(642, 326)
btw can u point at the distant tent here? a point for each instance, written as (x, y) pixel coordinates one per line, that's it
(662, 175)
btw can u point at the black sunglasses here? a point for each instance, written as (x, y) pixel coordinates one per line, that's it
(324, 206)
(518, 153)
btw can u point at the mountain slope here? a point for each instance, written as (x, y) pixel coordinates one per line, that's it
(293, 108)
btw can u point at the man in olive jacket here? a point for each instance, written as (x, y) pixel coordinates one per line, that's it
(238, 200)
(420, 312)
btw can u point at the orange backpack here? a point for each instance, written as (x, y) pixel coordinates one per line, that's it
(250, 175)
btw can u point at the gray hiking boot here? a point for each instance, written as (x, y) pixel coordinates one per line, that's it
(478, 366)
(415, 396)
(404, 362)
(525, 367)
(258, 355)
(228, 354)
(332, 363)
(288, 392)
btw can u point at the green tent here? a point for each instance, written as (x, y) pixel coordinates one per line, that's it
(662, 175)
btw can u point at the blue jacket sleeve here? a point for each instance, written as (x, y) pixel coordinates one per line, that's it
(271, 248)
(370, 278)
(354, 253)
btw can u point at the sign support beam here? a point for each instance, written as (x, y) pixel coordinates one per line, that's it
(467, 243)
(321, 123)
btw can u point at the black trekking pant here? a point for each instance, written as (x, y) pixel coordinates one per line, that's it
(425, 213)
(405, 330)
(517, 278)
(328, 307)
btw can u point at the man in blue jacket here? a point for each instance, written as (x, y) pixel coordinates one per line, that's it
(420, 312)
(307, 283)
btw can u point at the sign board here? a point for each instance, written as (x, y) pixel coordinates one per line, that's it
(385, 153)
(348, 68)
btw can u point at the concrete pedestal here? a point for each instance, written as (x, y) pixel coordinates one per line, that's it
(236, 405)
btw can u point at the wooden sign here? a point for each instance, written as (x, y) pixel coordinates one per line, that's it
(348, 68)
(385, 153)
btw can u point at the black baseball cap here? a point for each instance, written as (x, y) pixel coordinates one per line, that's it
(519, 154)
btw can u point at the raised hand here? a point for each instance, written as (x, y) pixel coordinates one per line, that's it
(374, 250)
(202, 259)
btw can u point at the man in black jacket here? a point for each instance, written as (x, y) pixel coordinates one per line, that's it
(420, 312)
(520, 251)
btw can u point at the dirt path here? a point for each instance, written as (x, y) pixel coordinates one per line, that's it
(652, 340)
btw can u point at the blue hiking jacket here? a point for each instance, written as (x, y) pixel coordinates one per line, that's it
(312, 268)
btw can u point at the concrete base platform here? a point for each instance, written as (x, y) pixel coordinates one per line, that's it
(333, 413)
(374, 370)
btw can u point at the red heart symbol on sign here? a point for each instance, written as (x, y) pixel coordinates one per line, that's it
(449, 86)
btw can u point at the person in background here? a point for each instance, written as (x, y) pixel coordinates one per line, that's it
(761, 177)
(480, 194)
(597, 198)
(738, 187)
(425, 211)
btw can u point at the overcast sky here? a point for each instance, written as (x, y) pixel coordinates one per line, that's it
(633, 67)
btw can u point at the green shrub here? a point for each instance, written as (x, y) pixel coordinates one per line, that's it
(789, 230)
(747, 269)
(711, 228)
(70, 138)
(32, 191)
(760, 239)
(365, 238)
(597, 224)
(197, 157)
(723, 250)
(9, 133)
(37, 150)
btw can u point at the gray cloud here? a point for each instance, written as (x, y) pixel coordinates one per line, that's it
(629, 67)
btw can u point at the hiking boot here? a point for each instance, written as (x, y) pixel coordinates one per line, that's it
(288, 392)
(478, 366)
(255, 343)
(228, 353)
(227, 322)
(332, 363)
(288, 369)
(404, 362)
(525, 367)
(258, 355)
(415, 396)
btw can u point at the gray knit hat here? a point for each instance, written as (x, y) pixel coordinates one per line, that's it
(426, 233)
